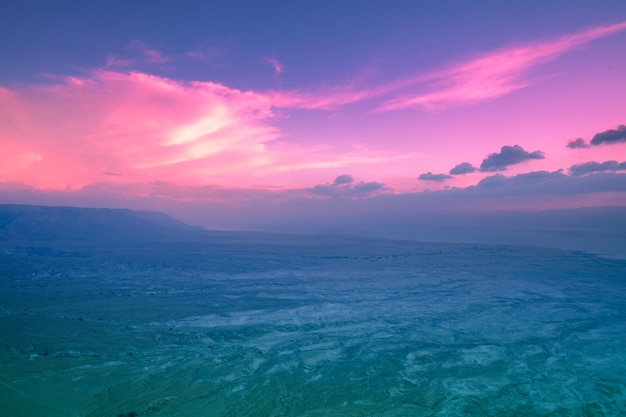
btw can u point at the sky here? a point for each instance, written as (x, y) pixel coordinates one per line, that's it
(240, 114)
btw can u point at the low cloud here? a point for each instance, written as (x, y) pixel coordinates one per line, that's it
(364, 207)
(429, 176)
(577, 143)
(366, 188)
(342, 187)
(343, 179)
(463, 168)
(589, 167)
(610, 136)
(529, 178)
(508, 155)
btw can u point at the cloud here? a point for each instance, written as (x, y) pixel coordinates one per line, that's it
(275, 64)
(343, 179)
(509, 155)
(366, 188)
(489, 76)
(486, 77)
(152, 127)
(303, 210)
(546, 184)
(213, 51)
(577, 143)
(610, 136)
(530, 178)
(494, 74)
(137, 52)
(588, 167)
(429, 176)
(136, 123)
(342, 187)
(463, 168)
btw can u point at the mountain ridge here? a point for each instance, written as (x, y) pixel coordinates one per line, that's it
(21, 222)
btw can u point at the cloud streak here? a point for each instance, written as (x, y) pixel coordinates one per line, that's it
(494, 74)
(138, 52)
(148, 127)
(577, 144)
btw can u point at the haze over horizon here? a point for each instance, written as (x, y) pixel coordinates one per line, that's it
(222, 113)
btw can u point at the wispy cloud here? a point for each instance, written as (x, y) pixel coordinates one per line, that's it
(137, 52)
(151, 127)
(486, 77)
(492, 75)
(213, 52)
(275, 64)
(135, 123)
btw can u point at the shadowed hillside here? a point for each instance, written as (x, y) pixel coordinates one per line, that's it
(43, 223)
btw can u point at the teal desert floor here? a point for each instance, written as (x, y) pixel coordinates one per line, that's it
(291, 326)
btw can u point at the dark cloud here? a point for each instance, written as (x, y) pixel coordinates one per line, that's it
(463, 168)
(342, 187)
(610, 136)
(509, 155)
(577, 143)
(529, 178)
(543, 184)
(343, 179)
(365, 188)
(429, 176)
(588, 167)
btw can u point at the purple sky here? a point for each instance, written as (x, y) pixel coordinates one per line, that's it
(244, 114)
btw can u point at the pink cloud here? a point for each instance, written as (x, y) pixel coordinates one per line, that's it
(144, 128)
(489, 76)
(276, 64)
(134, 123)
(492, 75)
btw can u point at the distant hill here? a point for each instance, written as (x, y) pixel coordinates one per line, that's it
(599, 230)
(26, 223)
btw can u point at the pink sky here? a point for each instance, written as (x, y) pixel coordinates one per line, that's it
(117, 127)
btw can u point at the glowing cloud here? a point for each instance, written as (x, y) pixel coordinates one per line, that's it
(135, 124)
(146, 128)
(494, 74)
